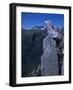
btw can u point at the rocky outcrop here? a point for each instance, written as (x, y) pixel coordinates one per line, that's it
(49, 59)
(52, 57)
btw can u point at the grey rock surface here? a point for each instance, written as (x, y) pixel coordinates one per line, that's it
(49, 60)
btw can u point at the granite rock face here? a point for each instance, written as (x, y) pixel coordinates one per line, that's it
(52, 57)
(49, 59)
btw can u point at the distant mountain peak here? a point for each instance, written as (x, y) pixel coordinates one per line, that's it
(38, 28)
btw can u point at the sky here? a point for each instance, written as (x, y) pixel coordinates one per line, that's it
(28, 20)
